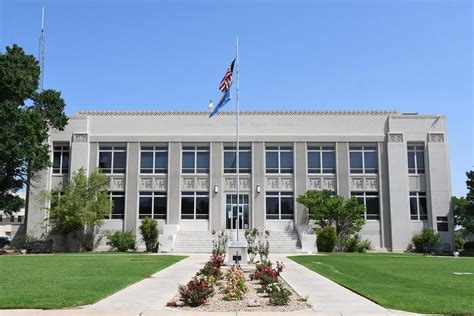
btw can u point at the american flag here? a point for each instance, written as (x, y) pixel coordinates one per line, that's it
(227, 80)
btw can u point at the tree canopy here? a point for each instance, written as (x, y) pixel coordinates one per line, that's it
(81, 203)
(25, 119)
(463, 207)
(346, 216)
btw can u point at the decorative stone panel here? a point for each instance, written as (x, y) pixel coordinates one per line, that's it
(395, 138)
(80, 138)
(229, 184)
(436, 137)
(277, 183)
(364, 183)
(189, 183)
(152, 184)
(321, 183)
(117, 184)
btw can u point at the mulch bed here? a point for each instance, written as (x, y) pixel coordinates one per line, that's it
(217, 304)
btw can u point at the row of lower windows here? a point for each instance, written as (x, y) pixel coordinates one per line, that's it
(278, 159)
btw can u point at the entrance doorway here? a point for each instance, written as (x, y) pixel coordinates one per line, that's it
(231, 211)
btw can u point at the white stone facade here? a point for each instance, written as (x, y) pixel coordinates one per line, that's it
(386, 134)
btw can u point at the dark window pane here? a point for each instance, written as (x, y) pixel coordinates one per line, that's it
(160, 207)
(144, 208)
(372, 207)
(146, 162)
(370, 160)
(272, 207)
(118, 209)
(57, 162)
(286, 163)
(188, 161)
(229, 162)
(65, 167)
(287, 208)
(147, 148)
(413, 208)
(245, 162)
(202, 208)
(314, 162)
(120, 162)
(105, 161)
(203, 162)
(442, 227)
(271, 161)
(423, 208)
(411, 162)
(420, 162)
(329, 162)
(356, 162)
(187, 207)
(161, 162)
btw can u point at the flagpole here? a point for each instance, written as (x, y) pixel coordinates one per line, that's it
(238, 137)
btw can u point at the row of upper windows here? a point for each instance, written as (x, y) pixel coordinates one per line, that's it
(363, 159)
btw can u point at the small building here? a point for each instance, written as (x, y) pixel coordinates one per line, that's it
(11, 224)
(179, 168)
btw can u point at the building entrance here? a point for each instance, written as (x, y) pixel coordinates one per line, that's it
(231, 211)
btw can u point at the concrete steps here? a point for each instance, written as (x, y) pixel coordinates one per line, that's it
(201, 241)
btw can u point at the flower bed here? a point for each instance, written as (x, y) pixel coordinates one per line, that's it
(217, 288)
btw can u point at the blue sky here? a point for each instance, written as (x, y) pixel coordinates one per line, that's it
(412, 56)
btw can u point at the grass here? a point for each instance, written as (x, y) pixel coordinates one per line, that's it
(65, 280)
(402, 281)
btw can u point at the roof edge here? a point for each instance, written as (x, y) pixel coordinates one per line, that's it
(199, 113)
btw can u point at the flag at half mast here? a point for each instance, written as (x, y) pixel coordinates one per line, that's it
(224, 87)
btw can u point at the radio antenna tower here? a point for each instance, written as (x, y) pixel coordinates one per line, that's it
(42, 49)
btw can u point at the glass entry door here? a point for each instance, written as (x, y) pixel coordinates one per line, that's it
(231, 211)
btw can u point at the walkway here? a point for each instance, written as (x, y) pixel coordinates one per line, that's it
(324, 295)
(153, 293)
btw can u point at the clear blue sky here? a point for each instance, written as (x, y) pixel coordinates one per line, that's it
(412, 56)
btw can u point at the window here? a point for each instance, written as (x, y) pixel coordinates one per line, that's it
(418, 210)
(195, 159)
(279, 159)
(152, 204)
(371, 203)
(442, 223)
(416, 159)
(245, 159)
(154, 159)
(363, 159)
(280, 205)
(321, 159)
(112, 159)
(194, 205)
(61, 159)
(118, 205)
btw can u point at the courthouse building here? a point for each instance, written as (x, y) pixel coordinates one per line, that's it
(179, 168)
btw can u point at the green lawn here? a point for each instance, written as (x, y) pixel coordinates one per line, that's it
(64, 280)
(401, 281)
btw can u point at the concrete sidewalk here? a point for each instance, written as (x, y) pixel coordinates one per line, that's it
(323, 294)
(153, 293)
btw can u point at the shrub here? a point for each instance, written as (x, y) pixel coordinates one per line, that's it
(266, 274)
(263, 246)
(196, 292)
(149, 231)
(427, 237)
(279, 294)
(251, 236)
(459, 241)
(326, 239)
(356, 244)
(219, 244)
(121, 241)
(212, 269)
(235, 287)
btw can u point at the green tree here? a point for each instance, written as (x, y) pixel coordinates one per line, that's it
(81, 206)
(25, 119)
(346, 216)
(149, 230)
(463, 208)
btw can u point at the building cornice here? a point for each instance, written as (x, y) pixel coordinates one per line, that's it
(205, 113)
